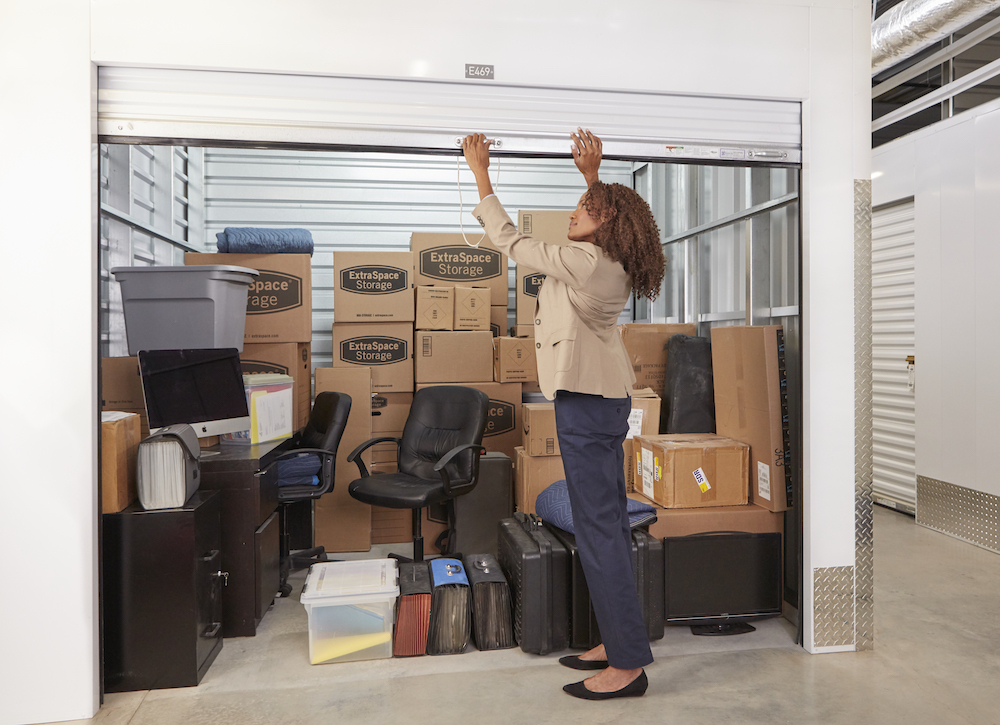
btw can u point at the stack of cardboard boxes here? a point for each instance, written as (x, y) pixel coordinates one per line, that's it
(723, 481)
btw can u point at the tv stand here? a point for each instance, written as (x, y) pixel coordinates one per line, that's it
(722, 630)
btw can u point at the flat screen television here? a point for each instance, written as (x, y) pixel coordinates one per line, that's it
(718, 582)
(203, 388)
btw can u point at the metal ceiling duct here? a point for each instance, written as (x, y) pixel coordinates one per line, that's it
(912, 25)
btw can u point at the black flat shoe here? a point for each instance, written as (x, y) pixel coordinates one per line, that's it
(575, 663)
(636, 688)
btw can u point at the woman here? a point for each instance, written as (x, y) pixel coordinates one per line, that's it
(583, 366)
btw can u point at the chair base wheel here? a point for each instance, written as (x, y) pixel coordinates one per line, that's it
(285, 589)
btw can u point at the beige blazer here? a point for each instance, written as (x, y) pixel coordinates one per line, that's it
(577, 344)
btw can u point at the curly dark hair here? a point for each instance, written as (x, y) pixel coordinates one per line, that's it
(628, 234)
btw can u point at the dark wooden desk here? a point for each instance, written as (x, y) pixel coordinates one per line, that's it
(250, 537)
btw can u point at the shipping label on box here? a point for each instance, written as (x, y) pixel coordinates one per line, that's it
(550, 226)
(385, 347)
(287, 358)
(751, 406)
(644, 419)
(279, 301)
(539, 429)
(435, 308)
(502, 433)
(694, 470)
(532, 475)
(514, 360)
(373, 287)
(646, 345)
(121, 389)
(498, 320)
(453, 357)
(472, 308)
(445, 259)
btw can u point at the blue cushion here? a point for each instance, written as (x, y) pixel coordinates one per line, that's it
(552, 505)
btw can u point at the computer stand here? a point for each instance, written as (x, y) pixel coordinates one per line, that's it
(722, 630)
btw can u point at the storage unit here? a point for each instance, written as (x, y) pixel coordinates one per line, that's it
(173, 308)
(351, 605)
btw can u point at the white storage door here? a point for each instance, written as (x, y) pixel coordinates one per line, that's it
(893, 402)
(206, 106)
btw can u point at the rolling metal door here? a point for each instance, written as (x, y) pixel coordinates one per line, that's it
(371, 201)
(893, 401)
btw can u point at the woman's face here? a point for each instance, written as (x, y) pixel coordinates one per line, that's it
(581, 225)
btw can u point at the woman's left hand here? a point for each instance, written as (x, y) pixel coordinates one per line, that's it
(476, 148)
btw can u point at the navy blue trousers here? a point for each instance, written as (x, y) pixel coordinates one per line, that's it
(591, 431)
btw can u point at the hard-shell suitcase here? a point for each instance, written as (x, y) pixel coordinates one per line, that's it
(647, 560)
(688, 404)
(473, 518)
(536, 565)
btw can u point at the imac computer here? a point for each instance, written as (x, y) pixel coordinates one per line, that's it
(718, 582)
(203, 388)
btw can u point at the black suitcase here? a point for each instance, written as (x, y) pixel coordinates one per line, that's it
(647, 560)
(537, 568)
(477, 513)
(688, 404)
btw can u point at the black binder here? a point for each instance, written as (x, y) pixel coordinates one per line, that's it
(537, 568)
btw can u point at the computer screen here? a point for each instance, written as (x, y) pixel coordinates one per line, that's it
(203, 388)
(729, 575)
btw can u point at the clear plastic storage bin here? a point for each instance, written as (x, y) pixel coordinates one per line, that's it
(351, 605)
(181, 308)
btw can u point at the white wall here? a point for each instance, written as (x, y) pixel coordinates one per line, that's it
(48, 523)
(952, 170)
(811, 50)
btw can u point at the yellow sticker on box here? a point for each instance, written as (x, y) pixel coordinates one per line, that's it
(702, 480)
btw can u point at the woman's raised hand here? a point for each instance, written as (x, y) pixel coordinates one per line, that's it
(586, 154)
(476, 148)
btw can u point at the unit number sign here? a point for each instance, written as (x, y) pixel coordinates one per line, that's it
(484, 72)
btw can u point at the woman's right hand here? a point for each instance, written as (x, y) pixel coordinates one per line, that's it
(586, 154)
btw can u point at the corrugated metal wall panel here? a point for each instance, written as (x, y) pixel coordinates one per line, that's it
(144, 103)
(893, 327)
(374, 201)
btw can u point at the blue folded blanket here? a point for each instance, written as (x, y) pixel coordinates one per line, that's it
(293, 471)
(258, 240)
(552, 505)
(303, 481)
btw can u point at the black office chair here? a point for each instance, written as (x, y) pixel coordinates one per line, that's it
(438, 455)
(318, 440)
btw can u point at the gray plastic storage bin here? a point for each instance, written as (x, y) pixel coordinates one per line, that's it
(180, 308)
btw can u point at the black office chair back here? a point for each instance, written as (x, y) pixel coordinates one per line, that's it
(325, 428)
(441, 418)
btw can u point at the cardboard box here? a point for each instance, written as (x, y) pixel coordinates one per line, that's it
(693, 470)
(643, 420)
(498, 320)
(548, 225)
(538, 427)
(447, 259)
(279, 302)
(684, 522)
(748, 404)
(121, 389)
(343, 523)
(533, 474)
(522, 331)
(472, 308)
(390, 411)
(120, 436)
(453, 357)
(385, 347)
(503, 422)
(373, 287)
(514, 360)
(287, 358)
(646, 345)
(435, 308)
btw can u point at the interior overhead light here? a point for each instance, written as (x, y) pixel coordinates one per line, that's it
(876, 174)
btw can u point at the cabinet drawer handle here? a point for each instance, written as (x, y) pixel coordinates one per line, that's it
(210, 555)
(212, 631)
(224, 575)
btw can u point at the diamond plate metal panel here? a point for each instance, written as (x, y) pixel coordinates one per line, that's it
(833, 597)
(864, 580)
(972, 516)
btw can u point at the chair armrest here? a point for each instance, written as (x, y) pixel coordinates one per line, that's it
(353, 457)
(446, 459)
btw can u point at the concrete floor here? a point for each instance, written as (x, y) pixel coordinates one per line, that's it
(937, 660)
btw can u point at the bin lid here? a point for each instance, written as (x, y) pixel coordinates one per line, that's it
(252, 379)
(334, 579)
(179, 269)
